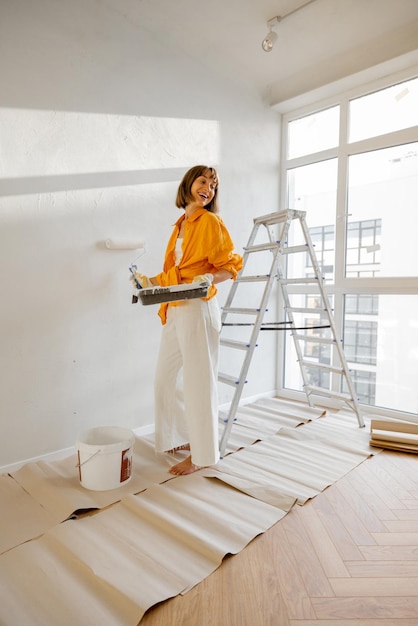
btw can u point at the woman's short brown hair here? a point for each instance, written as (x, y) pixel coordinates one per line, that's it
(184, 195)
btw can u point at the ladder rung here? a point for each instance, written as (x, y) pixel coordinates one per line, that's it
(313, 338)
(300, 309)
(232, 343)
(228, 380)
(323, 366)
(262, 246)
(276, 218)
(298, 281)
(328, 392)
(241, 311)
(292, 249)
(252, 279)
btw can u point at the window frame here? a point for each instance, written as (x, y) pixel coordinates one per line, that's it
(342, 285)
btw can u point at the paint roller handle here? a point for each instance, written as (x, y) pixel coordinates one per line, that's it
(135, 283)
(139, 281)
(134, 280)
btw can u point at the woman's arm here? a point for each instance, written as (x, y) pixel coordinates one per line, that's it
(220, 275)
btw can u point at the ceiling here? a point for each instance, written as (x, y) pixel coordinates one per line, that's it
(319, 41)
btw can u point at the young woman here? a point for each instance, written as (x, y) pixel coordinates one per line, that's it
(186, 401)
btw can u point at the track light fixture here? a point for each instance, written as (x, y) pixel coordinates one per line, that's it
(271, 37)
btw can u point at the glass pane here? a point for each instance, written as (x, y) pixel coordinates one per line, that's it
(313, 188)
(382, 209)
(313, 133)
(309, 325)
(381, 347)
(384, 111)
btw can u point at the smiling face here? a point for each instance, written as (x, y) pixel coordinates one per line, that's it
(199, 188)
(203, 190)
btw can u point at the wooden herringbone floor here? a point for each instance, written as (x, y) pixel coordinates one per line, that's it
(349, 557)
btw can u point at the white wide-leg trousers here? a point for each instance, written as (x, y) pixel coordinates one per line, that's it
(186, 393)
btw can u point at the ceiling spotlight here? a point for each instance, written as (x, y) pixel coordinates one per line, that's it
(271, 37)
(269, 41)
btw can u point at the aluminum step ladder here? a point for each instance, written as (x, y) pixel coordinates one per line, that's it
(277, 226)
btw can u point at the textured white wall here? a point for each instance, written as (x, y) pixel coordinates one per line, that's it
(98, 122)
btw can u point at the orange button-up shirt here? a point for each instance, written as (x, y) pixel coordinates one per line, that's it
(207, 247)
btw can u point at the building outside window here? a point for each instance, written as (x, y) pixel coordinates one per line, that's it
(361, 311)
(353, 167)
(363, 248)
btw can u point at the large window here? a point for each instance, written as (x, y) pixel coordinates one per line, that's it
(353, 167)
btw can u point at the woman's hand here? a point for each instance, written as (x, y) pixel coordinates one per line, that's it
(140, 281)
(203, 278)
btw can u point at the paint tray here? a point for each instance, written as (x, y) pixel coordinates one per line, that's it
(158, 295)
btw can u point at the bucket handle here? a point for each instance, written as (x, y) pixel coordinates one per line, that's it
(89, 459)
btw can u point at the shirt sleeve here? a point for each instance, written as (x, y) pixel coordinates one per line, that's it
(221, 250)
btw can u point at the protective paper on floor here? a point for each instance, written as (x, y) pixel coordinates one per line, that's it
(49, 493)
(343, 427)
(291, 409)
(109, 568)
(22, 518)
(265, 417)
(298, 463)
(113, 565)
(56, 487)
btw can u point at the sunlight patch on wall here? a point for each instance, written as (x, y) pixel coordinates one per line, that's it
(54, 143)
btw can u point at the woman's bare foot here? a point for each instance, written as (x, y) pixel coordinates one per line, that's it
(184, 467)
(185, 446)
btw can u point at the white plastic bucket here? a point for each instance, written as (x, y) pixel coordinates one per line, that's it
(105, 457)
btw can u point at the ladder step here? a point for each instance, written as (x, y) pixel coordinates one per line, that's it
(272, 245)
(292, 249)
(228, 380)
(313, 338)
(253, 279)
(328, 392)
(298, 281)
(277, 218)
(232, 343)
(301, 309)
(323, 366)
(241, 311)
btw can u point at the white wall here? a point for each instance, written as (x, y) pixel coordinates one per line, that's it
(98, 122)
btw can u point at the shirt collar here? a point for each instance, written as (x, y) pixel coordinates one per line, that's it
(194, 216)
